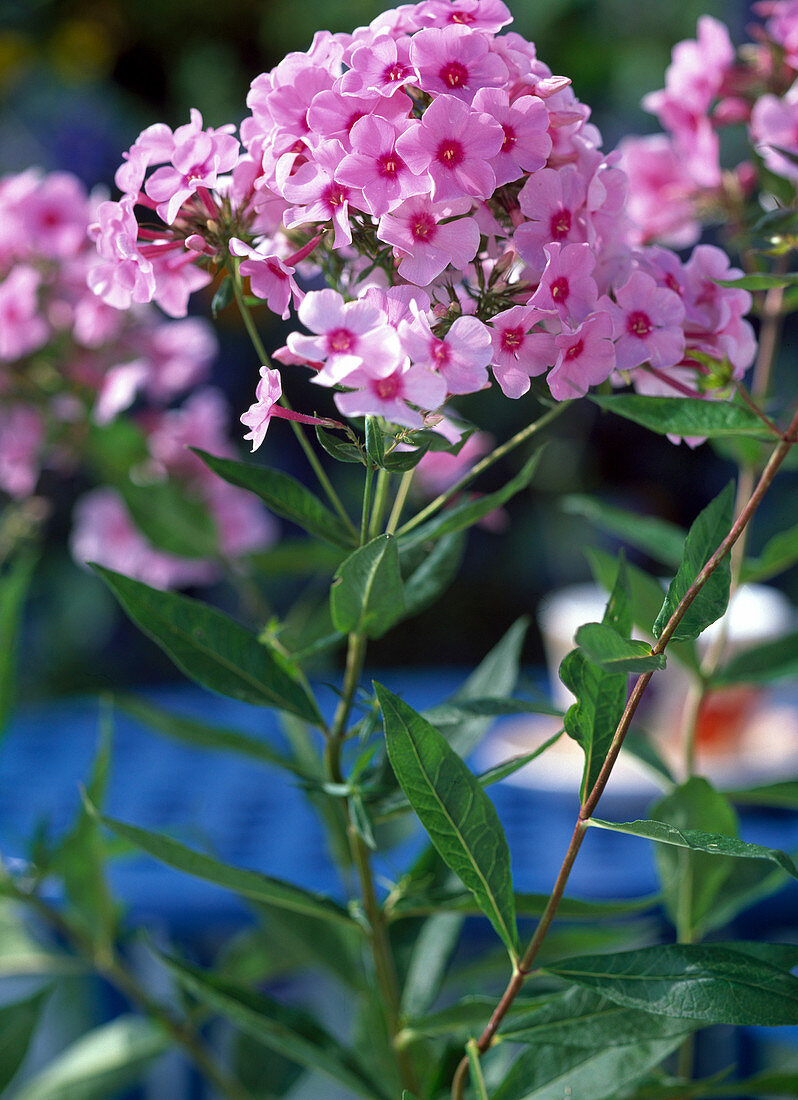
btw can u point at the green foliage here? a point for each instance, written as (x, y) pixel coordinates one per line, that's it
(661, 540)
(18, 1022)
(284, 495)
(14, 584)
(213, 649)
(366, 596)
(604, 646)
(429, 580)
(778, 554)
(762, 664)
(703, 539)
(171, 519)
(685, 416)
(456, 813)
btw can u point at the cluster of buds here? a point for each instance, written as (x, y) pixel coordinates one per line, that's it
(454, 195)
(71, 363)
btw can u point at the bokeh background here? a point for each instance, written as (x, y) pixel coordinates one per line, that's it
(79, 80)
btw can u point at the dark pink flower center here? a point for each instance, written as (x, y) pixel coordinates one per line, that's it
(450, 153)
(560, 289)
(335, 196)
(394, 73)
(440, 352)
(638, 324)
(340, 340)
(512, 339)
(388, 164)
(575, 350)
(276, 270)
(560, 225)
(389, 388)
(462, 17)
(423, 227)
(509, 139)
(353, 118)
(672, 284)
(453, 74)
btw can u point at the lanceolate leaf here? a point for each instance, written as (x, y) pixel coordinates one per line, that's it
(760, 282)
(432, 952)
(685, 416)
(284, 495)
(600, 693)
(698, 841)
(170, 519)
(457, 814)
(366, 596)
(214, 649)
(779, 554)
(582, 1018)
(249, 884)
(100, 1064)
(436, 572)
(661, 540)
(18, 1022)
(710, 982)
(13, 588)
(603, 646)
(763, 664)
(703, 539)
(289, 1031)
(554, 1071)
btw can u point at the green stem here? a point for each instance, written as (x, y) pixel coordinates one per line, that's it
(476, 1069)
(368, 492)
(399, 503)
(298, 430)
(380, 503)
(483, 464)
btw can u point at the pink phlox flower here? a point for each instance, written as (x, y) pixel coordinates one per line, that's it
(782, 27)
(198, 158)
(565, 285)
(456, 61)
(21, 437)
(333, 114)
(392, 394)
(707, 304)
(269, 278)
(381, 65)
(268, 392)
(461, 356)
(103, 532)
(201, 421)
(119, 388)
(647, 323)
(481, 15)
(95, 322)
(455, 145)
(661, 193)
(22, 328)
(525, 123)
(774, 126)
(586, 357)
(397, 302)
(153, 146)
(242, 523)
(53, 216)
(696, 74)
(426, 247)
(176, 278)
(318, 195)
(375, 167)
(520, 350)
(179, 355)
(439, 470)
(553, 202)
(123, 275)
(348, 336)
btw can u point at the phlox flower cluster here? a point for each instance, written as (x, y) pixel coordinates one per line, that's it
(70, 364)
(453, 195)
(676, 177)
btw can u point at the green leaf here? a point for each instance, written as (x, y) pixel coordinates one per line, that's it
(435, 573)
(760, 282)
(709, 982)
(761, 664)
(191, 732)
(171, 519)
(600, 694)
(782, 795)
(526, 905)
(284, 495)
(432, 952)
(290, 1031)
(375, 444)
(451, 714)
(645, 594)
(552, 1072)
(99, 1064)
(515, 763)
(691, 880)
(685, 416)
(213, 649)
(455, 811)
(494, 677)
(580, 1017)
(223, 296)
(703, 539)
(340, 449)
(296, 557)
(470, 512)
(750, 882)
(603, 646)
(248, 884)
(779, 554)
(641, 746)
(400, 461)
(14, 586)
(17, 1024)
(661, 540)
(366, 596)
(698, 841)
